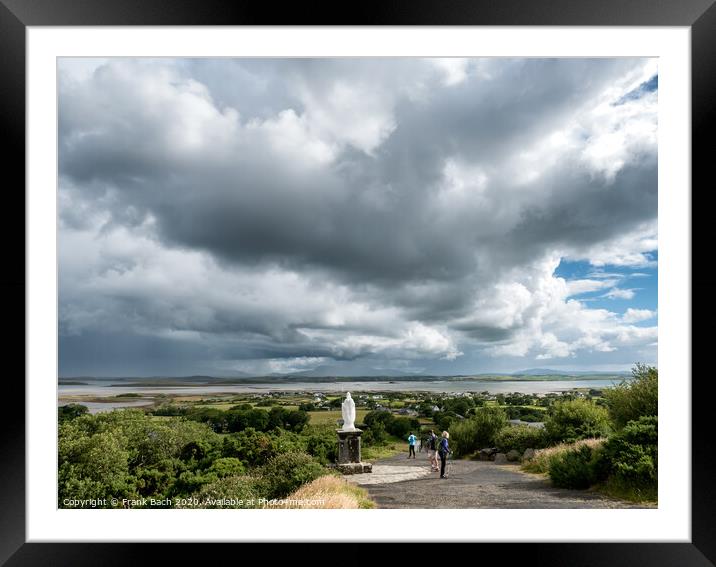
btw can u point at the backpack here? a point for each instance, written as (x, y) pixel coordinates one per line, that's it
(443, 450)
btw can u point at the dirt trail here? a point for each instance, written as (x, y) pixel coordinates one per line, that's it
(399, 482)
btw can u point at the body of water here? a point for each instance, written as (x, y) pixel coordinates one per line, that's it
(98, 407)
(107, 388)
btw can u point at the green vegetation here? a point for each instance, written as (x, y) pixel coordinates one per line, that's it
(573, 468)
(624, 462)
(520, 438)
(480, 430)
(572, 420)
(631, 400)
(231, 450)
(70, 411)
(129, 454)
(285, 472)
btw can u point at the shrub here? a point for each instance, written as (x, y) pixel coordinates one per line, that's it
(375, 434)
(572, 420)
(635, 398)
(402, 426)
(543, 457)
(478, 431)
(228, 492)
(291, 420)
(384, 417)
(324, 448)
(190, 481)
(226, 466)
(240, 419)
(71, 411)
(519, 438)
(250, 446)
(573, 468)
(630, 456)
(285, 473)
(444, 420)
(464, 437)
(170, 409)
(94, 466)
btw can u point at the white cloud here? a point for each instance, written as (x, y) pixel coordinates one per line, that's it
(635, 315)
(454, 69)
(619, 293)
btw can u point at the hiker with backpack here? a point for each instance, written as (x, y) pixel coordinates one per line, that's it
(443, 451)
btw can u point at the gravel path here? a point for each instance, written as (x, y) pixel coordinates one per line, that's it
(399, 482)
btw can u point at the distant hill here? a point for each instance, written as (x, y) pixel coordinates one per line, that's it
(549, 372)
(338, 371)
(330, 374)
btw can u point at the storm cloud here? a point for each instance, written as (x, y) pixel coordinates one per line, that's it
(269, 214)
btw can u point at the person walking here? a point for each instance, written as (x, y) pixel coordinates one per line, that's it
(443, 451)
(411, 445)
(432, 445)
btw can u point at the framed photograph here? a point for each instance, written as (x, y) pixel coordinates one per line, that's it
(418, 276)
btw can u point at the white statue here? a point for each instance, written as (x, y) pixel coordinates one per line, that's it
(349, 413)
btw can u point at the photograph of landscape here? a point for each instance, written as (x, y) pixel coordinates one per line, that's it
(362, 283)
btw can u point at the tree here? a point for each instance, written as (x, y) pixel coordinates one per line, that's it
(71, 411)
(635, 398)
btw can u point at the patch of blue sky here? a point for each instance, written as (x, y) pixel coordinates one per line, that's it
(650, 86)
(633, 287)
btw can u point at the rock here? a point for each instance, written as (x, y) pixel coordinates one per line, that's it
(488, 453)
(528, 454)
(500, 458)
(513, 455)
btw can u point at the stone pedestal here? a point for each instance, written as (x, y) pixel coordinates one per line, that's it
(349, 459)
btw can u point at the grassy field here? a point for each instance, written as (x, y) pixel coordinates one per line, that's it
(393, 446)
(330, 417)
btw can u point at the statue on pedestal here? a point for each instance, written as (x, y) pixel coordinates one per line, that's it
(349, 461)
(348, 409)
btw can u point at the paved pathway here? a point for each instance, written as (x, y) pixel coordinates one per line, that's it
(399, 482)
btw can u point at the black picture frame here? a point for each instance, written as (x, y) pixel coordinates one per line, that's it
(17, 15)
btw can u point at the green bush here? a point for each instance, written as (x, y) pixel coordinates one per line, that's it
(227, 466)
(375, 434)
(479, 431)
(402, 426)
(573, 469)
(324, 448)
(191, 481)
(444, 420)
(285, 473)
(571, 420)
(519, 438)
(634, 398)
(71, 411)
(384, 417)
(240, 419)
(228, 492)
(95, 466)
(290, 420)
(630, 456)
(253, 447)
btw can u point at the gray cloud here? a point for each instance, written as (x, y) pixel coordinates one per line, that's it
(343, 208)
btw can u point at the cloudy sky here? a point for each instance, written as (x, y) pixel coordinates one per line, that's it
(438, 216)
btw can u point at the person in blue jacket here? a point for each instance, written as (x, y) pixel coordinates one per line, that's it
(443, 451)
(411, 445)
